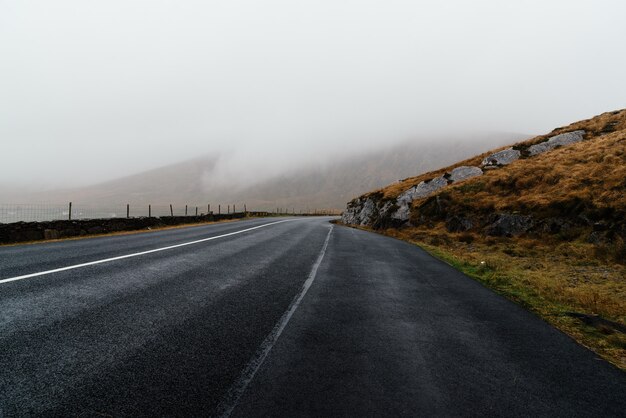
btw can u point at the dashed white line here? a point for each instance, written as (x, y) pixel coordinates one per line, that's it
(231, 400)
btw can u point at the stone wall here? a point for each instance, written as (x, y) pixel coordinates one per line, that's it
(35, 231)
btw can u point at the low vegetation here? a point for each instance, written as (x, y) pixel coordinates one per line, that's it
(562, 249)
(568, 283)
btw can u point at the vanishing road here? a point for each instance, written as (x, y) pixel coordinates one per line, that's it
(276, 317)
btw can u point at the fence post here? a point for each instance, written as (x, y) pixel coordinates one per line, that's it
(228, 210)
(234, 209)
(171, 210)
(185, 210)
(149, 211)
(208, 209)
(127, 210)
(245, 209)
(196, 211)
(219, 209)
(70, 212)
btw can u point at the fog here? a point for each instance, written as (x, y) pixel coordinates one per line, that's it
(95, 90)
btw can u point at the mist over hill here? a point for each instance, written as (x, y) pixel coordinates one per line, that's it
(319, 185)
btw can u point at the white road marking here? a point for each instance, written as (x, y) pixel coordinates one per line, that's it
(239, 387)
(121, 257)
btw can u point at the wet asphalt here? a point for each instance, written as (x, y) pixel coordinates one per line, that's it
(384, 330)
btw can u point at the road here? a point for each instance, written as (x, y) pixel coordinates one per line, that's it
(276, 317)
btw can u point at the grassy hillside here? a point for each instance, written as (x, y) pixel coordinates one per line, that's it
(546, 230)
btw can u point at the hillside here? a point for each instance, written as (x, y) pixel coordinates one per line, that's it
(326, 185)
(542, 221)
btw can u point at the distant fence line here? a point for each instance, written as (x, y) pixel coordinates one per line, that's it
(12, 212)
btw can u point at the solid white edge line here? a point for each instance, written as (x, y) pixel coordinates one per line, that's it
(230, 401)
(121, 257)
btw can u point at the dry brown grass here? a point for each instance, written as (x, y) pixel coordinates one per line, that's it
(553, 274)
(593, 171)
(549, 277)
(600, 159)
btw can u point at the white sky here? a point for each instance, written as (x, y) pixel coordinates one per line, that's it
(91, 90)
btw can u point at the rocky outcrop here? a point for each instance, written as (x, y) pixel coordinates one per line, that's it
(458, 224)
(508, 225)
(500, 158)
(556, 141)
(423, 189)
(373, 210)
(359, 211)
(464, 172)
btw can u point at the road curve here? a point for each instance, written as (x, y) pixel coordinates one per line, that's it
(288, 319)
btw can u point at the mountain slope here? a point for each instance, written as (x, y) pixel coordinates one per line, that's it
(542, 221)
(324, 186)
(330, 184)
(578, 182)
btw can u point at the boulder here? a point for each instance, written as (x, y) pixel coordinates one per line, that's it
(423, 189)
(383, 212)
(402, 213)
(503, 157)
(556, 141)
(458, 224)
(50, 234)
(96, 230)
(507, 225)
(464, 173)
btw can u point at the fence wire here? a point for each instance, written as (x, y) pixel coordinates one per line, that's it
(11, 212)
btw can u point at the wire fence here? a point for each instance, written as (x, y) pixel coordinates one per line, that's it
(11, 212)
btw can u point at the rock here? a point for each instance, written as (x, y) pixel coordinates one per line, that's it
(365, 216)
(402, 213)
(600, 226)
(458, 224)
(359, 212)
(50, 234)
(556, 141)
(597, 237)
(423, 189)
(509, 225)
(96, 230)
(348, 216)
(464, 173)
(382, 212)
(503, 157)
(556, 225)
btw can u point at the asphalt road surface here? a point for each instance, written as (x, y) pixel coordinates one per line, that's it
(276, 317)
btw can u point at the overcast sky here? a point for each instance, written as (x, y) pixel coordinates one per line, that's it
(91, 90)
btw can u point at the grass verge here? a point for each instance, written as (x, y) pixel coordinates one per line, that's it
(565, 283)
